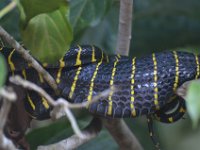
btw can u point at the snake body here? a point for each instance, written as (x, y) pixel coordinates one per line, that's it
(144, 86)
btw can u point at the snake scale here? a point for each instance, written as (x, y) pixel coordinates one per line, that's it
(145, 86)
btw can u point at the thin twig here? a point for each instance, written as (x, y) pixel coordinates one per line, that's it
(7, 9)
(61, 106)
(102, 94)
(90, 132)
(73, 122)
(7, 95)
(31, 86)
(125, 25)
(25, 54)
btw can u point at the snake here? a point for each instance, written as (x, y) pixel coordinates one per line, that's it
(142, 86)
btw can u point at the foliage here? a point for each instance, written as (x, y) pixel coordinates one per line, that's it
(47, 30)
(193, 102)
(30, 9)
(49, 27)
(87, 13)
(52, 133)
(3, 71)
(62, 129)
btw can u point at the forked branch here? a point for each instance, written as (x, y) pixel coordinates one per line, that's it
(62, 107)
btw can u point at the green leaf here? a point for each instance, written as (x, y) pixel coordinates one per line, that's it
(88, 13)
(49, 35)
(54, 132)
(193, 102)
(62, 129)
(32, 8)
(3, 71)
(103, 141)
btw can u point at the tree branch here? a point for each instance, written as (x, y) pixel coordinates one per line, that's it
(62, 107)
(8, 97)
(125, 25)
(122, 134)
(59, 107)
(117, 127)
(25, 54)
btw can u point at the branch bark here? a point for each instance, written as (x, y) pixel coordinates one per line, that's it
(122, 134)
(8, 97)
(125, 25)
(59, 106)
(18, 120)
(117, 127)
(62, 107)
